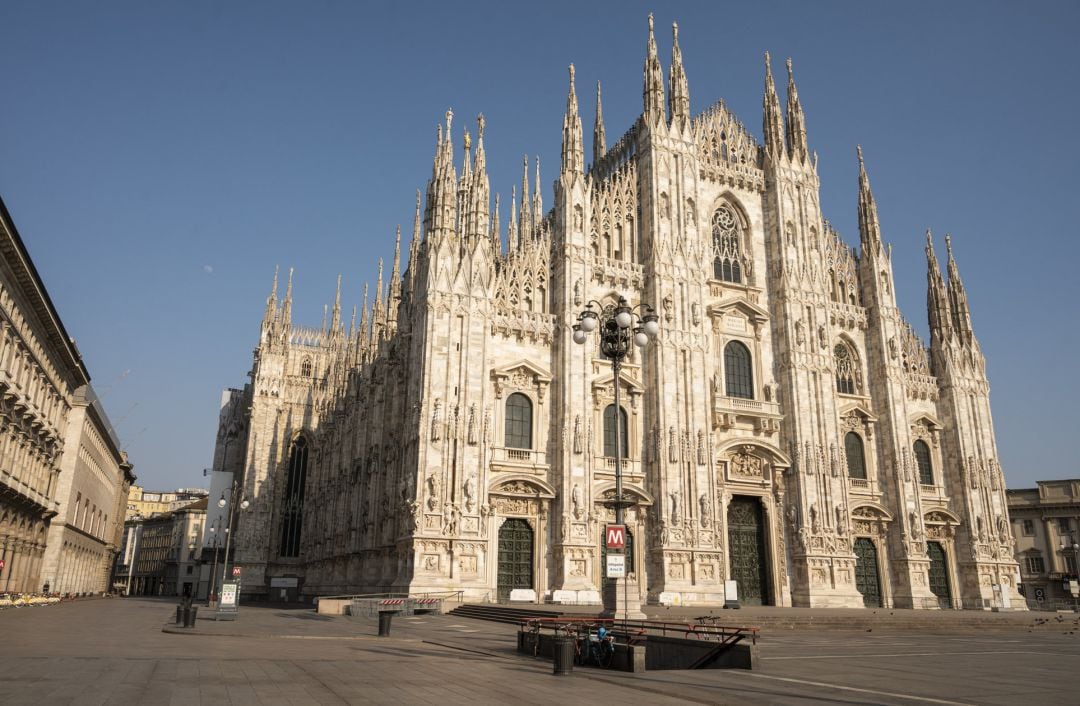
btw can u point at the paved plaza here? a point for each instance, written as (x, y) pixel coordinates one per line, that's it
(115, 652)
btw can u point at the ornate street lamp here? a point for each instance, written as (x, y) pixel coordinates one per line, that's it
(211, 594)
(620, 326)
(235, 502)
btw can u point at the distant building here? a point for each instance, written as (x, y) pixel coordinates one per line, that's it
(93, 489)
(146, 503)
(1046, 524)
(161, 552)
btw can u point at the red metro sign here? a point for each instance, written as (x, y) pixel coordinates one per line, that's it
(615, 536)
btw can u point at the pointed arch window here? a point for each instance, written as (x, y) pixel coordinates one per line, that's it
(922, 460)
(293, 515)
(738, 371)
(856, 456)
(846, 370)
(609, 432)
(727, 245)
(519, 424)
(305, 367)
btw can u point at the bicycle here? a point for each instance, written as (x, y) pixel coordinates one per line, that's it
(596, 647)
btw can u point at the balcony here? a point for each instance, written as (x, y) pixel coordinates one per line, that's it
(518, 459)
(729, 411)
(859, 483)
(606, 464)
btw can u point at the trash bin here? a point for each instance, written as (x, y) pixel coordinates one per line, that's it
(190, 615)
(180, 615)
(564, 655)
(384, 622)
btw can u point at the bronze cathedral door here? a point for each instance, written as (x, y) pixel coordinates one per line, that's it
(746, 545)
(939, 574)
(867, 580)
(515, 557)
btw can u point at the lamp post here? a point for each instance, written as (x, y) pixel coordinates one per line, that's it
(235, 502)
(211, 595)
(620, 326)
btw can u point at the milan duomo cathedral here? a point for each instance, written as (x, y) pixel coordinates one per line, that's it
(787, 430)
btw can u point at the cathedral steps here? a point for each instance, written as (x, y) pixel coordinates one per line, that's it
(501, 614)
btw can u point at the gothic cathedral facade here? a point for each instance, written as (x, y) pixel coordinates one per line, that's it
(788, 431)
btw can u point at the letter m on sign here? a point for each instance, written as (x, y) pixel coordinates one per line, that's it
(615, 536)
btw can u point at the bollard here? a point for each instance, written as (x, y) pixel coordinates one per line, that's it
(180, 615)
(384, 622)
(564, 655)
(190, 615)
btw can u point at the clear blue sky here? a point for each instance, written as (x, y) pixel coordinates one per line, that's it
(160, 158)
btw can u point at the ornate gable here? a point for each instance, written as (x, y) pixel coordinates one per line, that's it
(522, 375)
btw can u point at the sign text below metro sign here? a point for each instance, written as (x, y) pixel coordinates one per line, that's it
(615, 536)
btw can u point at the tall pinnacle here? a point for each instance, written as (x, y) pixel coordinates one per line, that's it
(773, 122)
(796, 121)
(525, 218)
(869, 226)
(496, 236)
(653, 93)
(286, 309)
(364, 322)
(395, 277)
(538, 198)
(335, 322)
(573, 149)
(680, 91)
(599, 143)
(511, 227)
(271, 301)
(958, 300)
(937, 301)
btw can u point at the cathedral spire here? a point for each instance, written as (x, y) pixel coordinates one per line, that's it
(677, 86)
(796, 121)
(364, 322)
(414, 245)
(335, 322)
(573, 150)
(352, 322)
(496, 226)
(599, 140)
(937, 300)
(773, 122)
(477, 221)
(271, 301)
(958, 300)
(442, 190)
(538, 197)
(395, 277)
(653, 93)
(511, 228)
(869, 226)
(378, 308)
(524, 220)
(286, 309)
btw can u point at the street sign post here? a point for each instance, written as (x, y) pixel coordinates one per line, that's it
(228, 607)
(616, 566)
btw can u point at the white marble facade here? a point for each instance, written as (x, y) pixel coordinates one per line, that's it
(788, 429)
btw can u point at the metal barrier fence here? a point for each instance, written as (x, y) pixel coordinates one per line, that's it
(402, 605)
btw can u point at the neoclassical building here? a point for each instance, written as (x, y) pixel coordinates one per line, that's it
(63, 477)
(788, 430)
(40, 371)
